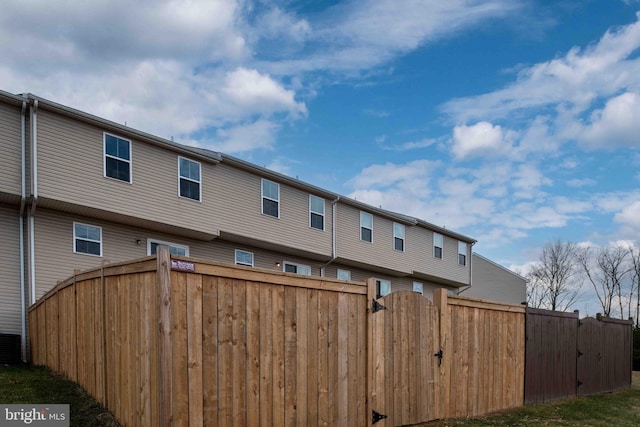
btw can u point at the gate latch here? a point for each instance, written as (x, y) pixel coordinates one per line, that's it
(439, 355)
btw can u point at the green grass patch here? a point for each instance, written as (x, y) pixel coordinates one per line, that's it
(26, 384)
(620, 409)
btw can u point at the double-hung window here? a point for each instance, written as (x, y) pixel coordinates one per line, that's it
(437, 245)
(462, 253)
(290, 267)
(270, 198)
(398, 237)
(244, 258)
(174, 248)
(366, 227)
(383, 287)
(189, 182)
(117, 158)
(87, 239)
(316, 212)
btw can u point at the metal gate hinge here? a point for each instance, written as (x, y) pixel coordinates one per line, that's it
(376, 306)
(375, 417)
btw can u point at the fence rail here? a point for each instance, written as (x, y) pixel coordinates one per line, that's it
(168, 340)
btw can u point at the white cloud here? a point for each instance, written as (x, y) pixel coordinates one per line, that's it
(481, 139)
(581, 182)
(629, 216)
(244, 138)
(616, 124)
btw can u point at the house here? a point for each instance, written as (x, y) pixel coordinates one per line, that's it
(494, 282)
(77, 191)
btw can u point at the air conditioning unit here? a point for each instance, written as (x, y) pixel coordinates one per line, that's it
(9, 348)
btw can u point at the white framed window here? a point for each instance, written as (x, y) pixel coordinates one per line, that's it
(398, 237)
(189, 182)
(366, 227)
(174, 248)
(117, 158)
(291, 267)
(244, 258)
(437, 245)
(270, 198)
(418, 287)
(87, 239)
(462, 253)
(383, 287)
(316, 212)
(343, 274)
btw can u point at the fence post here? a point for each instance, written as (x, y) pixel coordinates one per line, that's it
(440, 299)
(164, 340)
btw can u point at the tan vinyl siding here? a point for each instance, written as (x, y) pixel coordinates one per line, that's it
(239, 211)
(495, 283)
(71, 169)
(10, 305)
(417, 257)
(11, 149)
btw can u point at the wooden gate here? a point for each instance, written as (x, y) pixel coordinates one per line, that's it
(406, 339)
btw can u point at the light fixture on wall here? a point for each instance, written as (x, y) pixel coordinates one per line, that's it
(278, 264)
(138, 242)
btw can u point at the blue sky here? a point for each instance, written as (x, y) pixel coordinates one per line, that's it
(514, 122)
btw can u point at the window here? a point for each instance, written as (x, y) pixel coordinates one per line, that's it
(244, 258)
(344, 274)
(290, 267)
(316, 212)
(270, 198)
(437, 245)
(117, 158)
(398, 237)
(383, 287)
(418, 287)
(366, 226)
(462, 253)
(174, 248)
(189, 179)
(87, 239)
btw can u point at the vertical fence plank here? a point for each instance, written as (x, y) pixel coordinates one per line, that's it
(210, 350)
(194, 345)
(253, 354)
(266, 356)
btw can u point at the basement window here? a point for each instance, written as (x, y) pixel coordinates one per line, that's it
(244, 258)
(290, 267)
(174, 248)
(383, 287)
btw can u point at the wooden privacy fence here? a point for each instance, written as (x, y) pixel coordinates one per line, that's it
(176, 341)
(567, 356)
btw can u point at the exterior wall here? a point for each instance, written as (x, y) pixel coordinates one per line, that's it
(11, 149)
(71, 169)
(495, 283)
(10, 305)
(239, 211)
(417, 257)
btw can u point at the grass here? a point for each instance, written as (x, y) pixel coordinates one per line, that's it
(29, 384)
(619, 409)
(25, 384)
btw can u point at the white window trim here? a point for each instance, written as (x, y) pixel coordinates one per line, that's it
(298, 265)
(262, 181)
(345, 271)
(436, 246)
(462, 253)
(189, 179)
(104, 157)
(235, 258)
(404, 242)
(362, 226)
(89, 240)
(381, 282)
(311, 197)
(162, 242)
(418, 287)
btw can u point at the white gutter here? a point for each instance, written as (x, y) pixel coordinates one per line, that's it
(470, 269)
(334, 250)
(23, 305)
(34, 202)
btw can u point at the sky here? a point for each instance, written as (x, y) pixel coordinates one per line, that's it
(515, 122)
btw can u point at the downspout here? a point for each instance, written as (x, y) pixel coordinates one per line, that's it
(334, 250)
(23, 201)
(34, 202)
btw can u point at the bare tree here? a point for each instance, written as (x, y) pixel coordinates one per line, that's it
(552, 280)
(635, 283)
(536, 292)
(606, 269)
